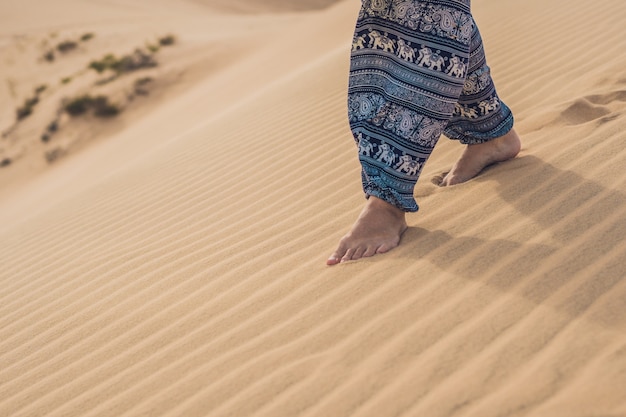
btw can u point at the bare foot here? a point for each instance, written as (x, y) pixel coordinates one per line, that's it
(377, 230)
(476, 157)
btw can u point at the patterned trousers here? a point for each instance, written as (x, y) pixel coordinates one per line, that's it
(418, 70)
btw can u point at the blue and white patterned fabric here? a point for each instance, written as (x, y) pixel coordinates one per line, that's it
(417, 70)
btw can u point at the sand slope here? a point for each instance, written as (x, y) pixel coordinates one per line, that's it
(187, 277)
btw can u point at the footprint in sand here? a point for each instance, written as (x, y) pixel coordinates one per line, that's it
(602, 107)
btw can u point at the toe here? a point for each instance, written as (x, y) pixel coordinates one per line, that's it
(370, 251)
(358, 254)
(385, 247)
(348, 256)
(449, 180)
(337, 256)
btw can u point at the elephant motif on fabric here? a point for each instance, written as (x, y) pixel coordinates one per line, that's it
(366, 147)
(467, 112)
(382, 41)
(385, 154)
(405, 51)
(456, 68)
(429, 59)
(359, 42)
(490, 105)
(408, 165)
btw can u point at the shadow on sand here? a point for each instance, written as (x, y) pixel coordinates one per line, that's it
(587, 222)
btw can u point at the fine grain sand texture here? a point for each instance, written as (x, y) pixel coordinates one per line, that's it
(176, 267)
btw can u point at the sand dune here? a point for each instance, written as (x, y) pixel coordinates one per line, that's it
(176, 266)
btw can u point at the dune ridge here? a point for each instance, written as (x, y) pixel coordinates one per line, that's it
(187, 276)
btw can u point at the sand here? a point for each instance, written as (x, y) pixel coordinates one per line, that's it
(172, 260)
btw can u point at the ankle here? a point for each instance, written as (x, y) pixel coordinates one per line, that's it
(509, 142)
(380, 204)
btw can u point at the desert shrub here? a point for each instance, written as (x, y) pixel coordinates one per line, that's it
(87, 36)
(100, 105)
(107, 62)
(66, 80)
(51, 129)
(54, 154)
(53, 126)
(139, 82)
(78, 105)
(103, 108)
(5, 162)
(49, 55)
(23, 112)
(67, 46)
(128, 63)
(167, 40)
(137, 60)
(27, 108)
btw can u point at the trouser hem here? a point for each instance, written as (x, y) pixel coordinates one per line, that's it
(406, 204)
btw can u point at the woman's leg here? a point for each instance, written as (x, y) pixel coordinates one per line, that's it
(480, 115)
(408, 68)
(408, 65)
(480, 120)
